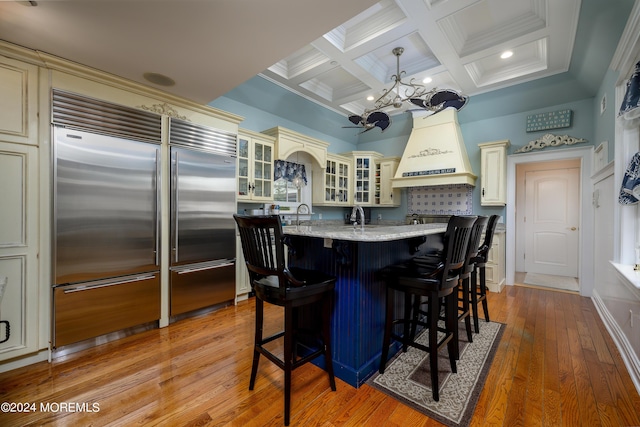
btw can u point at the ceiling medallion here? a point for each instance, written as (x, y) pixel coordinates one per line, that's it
(164, 109)
(549, 140)
(433, 100)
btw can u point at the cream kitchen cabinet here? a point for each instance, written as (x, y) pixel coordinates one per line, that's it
(20, 304)
(255, 166)
(19, 301)
(495, 267)
(493, 161)
(331, 185)
(18, 102)
(364, 179)
(289, 142)
(243, 285)
(386, 195)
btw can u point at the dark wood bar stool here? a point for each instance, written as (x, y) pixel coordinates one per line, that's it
(479, 290)
(435, 283)
(464, 289)
(466, 293)
(294, 288)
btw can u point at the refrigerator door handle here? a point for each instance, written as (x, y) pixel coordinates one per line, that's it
(174, 205)
(158, 195)
(209, 267)
(107, 284)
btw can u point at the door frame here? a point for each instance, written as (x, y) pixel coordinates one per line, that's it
(585, 261)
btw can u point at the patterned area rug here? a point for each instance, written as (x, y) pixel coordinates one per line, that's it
(407, 376)
(551, 281)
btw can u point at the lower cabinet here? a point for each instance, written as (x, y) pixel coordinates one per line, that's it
(19, 272)
(496, 270)
(243, 286)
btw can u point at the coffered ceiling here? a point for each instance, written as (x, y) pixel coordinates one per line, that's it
(334, 52)
(456, 43)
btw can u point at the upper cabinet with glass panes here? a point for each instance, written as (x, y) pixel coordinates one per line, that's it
(255, 166)
(332, 184)
(363, 182)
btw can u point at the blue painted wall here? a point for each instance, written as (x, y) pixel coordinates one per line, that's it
(586, 123)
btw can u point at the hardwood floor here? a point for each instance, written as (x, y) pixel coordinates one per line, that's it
(556, 365)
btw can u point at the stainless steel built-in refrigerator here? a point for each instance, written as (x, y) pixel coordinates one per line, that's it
(106, 222)
(106, 217)
(203, 200)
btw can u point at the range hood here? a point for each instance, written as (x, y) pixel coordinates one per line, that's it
(435, 154)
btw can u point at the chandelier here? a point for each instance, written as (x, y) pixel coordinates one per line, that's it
(433, 100)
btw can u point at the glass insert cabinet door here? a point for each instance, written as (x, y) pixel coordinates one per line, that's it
(336, 182)
(363, 180)
(243, 167)
(343, 183)
(255, 169)
(263, 175)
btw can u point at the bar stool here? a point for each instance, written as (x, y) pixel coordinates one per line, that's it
(466, 297)
(464, 288)
(479, 291)
(294, 288)
(437, 283)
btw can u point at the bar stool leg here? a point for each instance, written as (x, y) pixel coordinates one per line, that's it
(451, 322)
(483, 292)
(326, 339)
(288, 360)
(257, 342)
(474, 299)
(465, 307)
(388, 321)
(434, 309)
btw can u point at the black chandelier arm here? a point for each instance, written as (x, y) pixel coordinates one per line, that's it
(433, 100)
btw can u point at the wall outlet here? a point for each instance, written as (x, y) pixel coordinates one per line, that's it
(328, 243)
(379, 217)
(319, 216)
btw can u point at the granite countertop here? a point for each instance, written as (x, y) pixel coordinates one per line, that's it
(371, 233)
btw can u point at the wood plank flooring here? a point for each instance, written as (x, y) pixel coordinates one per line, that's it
(556, 366)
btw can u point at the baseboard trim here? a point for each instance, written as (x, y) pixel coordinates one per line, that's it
(629, 356)
(20, 362)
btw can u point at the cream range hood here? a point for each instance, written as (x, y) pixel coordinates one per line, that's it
(435, 154)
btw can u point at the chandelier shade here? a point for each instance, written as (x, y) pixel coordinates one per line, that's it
(432, 100)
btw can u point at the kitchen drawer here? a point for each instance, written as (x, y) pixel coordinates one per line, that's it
(198, 286)
(92, 309)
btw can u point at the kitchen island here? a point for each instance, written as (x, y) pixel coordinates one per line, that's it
(355, 257)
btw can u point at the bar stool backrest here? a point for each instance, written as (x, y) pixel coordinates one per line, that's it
(263, 249)
(456, 241)
(483, 250)
(474, 242)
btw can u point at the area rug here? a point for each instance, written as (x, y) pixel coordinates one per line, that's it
(551, 281)
(407, 376)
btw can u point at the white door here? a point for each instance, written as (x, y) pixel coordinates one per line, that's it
(552, 221)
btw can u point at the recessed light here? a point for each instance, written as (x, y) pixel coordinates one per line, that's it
(159, 79)
(506, 54)
(427, 80)
(370, 98)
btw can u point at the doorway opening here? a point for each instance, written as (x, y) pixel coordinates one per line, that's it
(547, 223)
(548, 219)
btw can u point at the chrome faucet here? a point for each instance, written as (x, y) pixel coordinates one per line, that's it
(354, 217)
(298, 213)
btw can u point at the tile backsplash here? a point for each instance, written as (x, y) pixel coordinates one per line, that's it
(455, 199)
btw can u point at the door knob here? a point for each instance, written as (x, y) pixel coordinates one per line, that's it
(573, 228)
